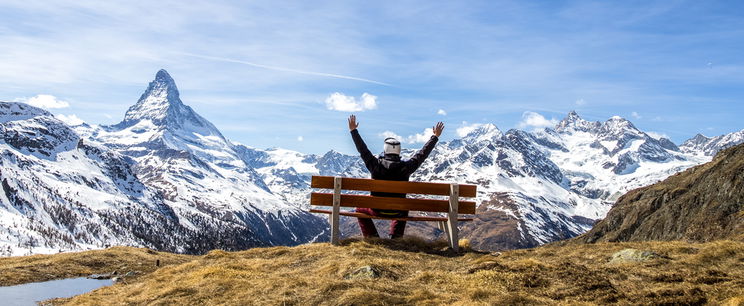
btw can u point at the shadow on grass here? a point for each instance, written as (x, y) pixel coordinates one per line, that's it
(415, 245)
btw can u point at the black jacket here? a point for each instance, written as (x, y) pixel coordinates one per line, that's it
(391, 167)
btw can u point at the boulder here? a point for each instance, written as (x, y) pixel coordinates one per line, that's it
(633, 255)
(365, 272)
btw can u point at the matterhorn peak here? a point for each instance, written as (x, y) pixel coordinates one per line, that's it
(159, 103)
(163, 77)
(161, 90)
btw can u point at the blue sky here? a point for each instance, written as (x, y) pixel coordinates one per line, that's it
(265, 73)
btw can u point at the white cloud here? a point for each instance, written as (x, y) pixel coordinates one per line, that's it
(71, 120)
(466, 128)
(387, 134)
(656, 135)
(415, 138)
(441, 112)
(44, 101)
(300, 138)
(339, 102)
(535, 120)
(635, 115)
(420, 137)
(580, 102)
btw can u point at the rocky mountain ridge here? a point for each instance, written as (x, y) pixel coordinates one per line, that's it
(534, 187)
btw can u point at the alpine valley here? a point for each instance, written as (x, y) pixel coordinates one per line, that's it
(167, 179)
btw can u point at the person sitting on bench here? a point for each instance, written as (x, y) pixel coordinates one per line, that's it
(389, 166)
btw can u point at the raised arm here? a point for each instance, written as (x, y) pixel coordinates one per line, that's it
(369, 160)
(422, 154)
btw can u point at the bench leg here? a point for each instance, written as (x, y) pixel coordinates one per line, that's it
(452, 233)
(452, 216)
(336, 210)
(443, 227)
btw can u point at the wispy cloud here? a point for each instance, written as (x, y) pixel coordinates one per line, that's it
(441, 112)
(253, 66)
(635, 115)
(285, 69)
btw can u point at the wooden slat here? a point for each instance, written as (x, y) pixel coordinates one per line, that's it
(352, 200)
(363, 184)
(412, 218)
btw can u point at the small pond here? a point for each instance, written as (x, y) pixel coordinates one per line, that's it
(31, 293)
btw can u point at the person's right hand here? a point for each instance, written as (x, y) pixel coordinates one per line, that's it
(353, 125)
(438, 128)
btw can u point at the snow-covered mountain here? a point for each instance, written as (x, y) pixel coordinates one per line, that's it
(534, 187)
(167, 161)
(62, 193)
(709, 146)
(166, 178)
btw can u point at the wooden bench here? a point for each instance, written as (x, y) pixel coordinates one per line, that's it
(453, 206)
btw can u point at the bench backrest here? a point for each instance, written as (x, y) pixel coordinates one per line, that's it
(366, 201)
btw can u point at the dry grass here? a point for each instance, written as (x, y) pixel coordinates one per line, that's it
(415, 272)
(36, 268)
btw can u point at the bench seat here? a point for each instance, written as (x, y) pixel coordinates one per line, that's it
(411, 218)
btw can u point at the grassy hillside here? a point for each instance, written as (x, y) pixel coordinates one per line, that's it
(37, 268)
(703, 203)
(410, 271)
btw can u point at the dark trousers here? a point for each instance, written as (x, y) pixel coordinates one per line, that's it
(368, 227)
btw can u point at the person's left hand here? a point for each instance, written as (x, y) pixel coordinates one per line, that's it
(438, 129)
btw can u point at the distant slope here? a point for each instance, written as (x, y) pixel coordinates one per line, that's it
(703, 203)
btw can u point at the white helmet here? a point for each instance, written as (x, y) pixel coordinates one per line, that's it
(392, 146)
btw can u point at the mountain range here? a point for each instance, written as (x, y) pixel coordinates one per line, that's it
(166, 178)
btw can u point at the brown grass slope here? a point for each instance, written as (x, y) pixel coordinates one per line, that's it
(703, 203)
(37, 268)
(412, 271)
